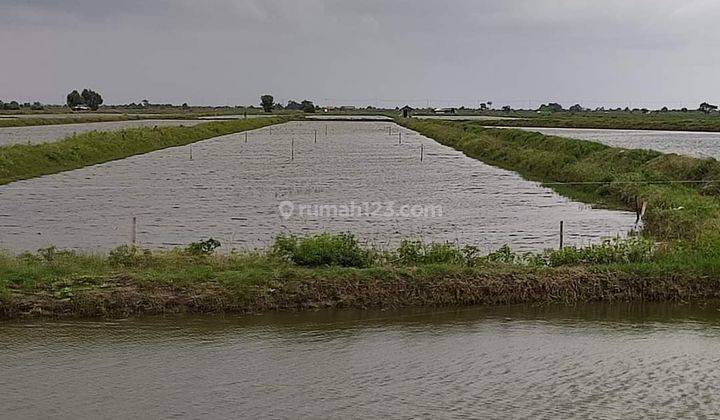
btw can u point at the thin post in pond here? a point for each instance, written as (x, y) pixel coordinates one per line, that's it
(246, 137)
(389, 130)
(561, 234)
(133, 232)
(315, 136)
(326, 130)
(399, 137)
(422, 152)
(191, 153)
(292, 149)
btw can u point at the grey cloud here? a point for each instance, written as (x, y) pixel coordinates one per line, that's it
(230, 51)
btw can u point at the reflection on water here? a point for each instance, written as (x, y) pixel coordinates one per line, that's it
(49, 133)
(691, 143)
(231, 189)
(612, 361)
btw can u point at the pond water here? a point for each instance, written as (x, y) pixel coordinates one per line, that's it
(598, 361)
(48, 133)
(691, 143)
(282, 181)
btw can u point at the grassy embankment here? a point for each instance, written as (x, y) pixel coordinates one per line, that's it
(676, 257)
(24, 161)
(674, 121)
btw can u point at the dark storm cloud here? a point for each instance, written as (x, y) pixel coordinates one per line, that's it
(230, 51)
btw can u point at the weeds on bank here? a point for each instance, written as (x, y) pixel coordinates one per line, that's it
(64, 272)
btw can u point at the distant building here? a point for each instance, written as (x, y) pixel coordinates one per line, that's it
(80, 108)
(445, 110)
(406, 111)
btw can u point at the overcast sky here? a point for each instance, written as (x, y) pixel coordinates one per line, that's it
(383, 52)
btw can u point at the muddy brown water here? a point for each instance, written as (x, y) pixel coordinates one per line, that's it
(54, 132)
(232, 191)
(691, 143)
(589, 361)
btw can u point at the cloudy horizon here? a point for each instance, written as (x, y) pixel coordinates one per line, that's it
(519, 53)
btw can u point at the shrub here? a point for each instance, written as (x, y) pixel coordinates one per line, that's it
(324, 249)
(124, 255)
(616, 251)
(415, 252)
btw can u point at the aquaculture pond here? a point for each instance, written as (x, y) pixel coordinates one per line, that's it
(375, 179)
(47, 133)
(691, 143)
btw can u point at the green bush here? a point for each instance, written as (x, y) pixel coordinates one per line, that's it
(325, 249)
(415, 252)
(616, 251)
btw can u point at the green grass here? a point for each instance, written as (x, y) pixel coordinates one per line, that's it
(23, 161)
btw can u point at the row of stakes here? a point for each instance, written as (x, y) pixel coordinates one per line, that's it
(292, 143)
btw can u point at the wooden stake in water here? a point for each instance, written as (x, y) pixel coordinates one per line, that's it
(133, 233)
(246, 137)
(561, 234)
(315, 136)
(292, 149)
(326, 132)
(399, 137)
(422, 152)
(389, 130)
(191, 156)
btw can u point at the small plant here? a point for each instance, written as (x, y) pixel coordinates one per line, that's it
(51, 253)
(205, 247)
(504, 255)
(416, 252)
(124, 255)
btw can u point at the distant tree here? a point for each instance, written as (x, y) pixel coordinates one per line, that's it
(92, 99)
(294, 105)
(37, 106)
(185, 105)
(707, 108)
(267, 102)
(664, 109)
(483, 106)
(12, 106)
(489, 104)
(74, 99)
(308, 106)
(507, 108)
(551, 107)
(684, 109)
(576, 108)
(278, 106)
